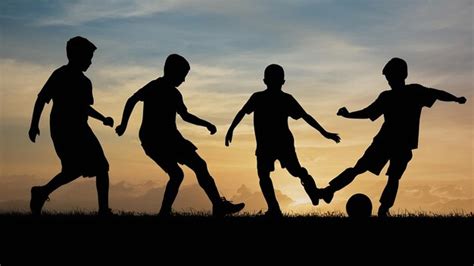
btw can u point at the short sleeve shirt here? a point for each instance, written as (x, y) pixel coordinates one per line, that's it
(271, 111)
(161, 103)
(401, 110)
(71, 92)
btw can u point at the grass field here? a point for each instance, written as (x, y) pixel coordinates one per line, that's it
(411, 234)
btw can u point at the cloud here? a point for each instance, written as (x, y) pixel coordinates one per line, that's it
(83, 11)
(255, 202)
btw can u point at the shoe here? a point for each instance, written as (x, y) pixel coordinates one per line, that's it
(226, 207)
(383, 212)
(326, 194)
(38, 198)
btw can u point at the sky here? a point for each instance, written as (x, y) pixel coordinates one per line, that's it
(333, 53)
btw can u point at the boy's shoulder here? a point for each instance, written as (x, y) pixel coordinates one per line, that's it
(152, 84)
(60, 71)
(385, 94)
(415, 86)
(149, 86)
(268, 93)
(258, 93)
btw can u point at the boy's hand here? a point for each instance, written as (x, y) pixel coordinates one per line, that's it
(108, 121)
(461, 100)
(120, 129)
(343, 112)
(212, 129)
(333, 136)
(228, 138)
(33, 132)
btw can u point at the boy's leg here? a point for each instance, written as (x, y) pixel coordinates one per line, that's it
(290, 161)
(306, 180)
(220, 205)
(345, 178)
(176, 175)
(205, 180)
(398, 165)
(268, 191)
(341, 181)
(102, 185)
(374, 159)
(39, 194)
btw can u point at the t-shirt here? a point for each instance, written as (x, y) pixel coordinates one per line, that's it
(71, 92)
(401, 110)
(161, 103)
(271, 111)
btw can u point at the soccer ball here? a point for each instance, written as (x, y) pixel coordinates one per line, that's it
(359, 206)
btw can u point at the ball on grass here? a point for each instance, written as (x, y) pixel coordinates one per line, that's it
(359, 206)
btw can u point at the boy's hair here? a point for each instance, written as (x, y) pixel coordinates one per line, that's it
(76, 47)
(274, 72)
(175, 62)
(396, 67)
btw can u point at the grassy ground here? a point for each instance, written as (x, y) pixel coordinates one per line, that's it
(417, 235)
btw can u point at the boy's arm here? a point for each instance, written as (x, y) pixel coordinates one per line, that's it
(372, 112)
(447, 97)
(361, 114)
(34, 127)
(312, 122)
(228, 137)
(108, 121)
(127, 111)
(190, 118)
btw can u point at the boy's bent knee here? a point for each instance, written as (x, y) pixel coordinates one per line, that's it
(176, 175)
(300, 172)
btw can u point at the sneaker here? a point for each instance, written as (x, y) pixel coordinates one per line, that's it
(326, 194)
(226, 207)
(38, 198)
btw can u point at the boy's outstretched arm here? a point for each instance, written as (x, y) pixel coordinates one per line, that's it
(448, 97)
(108, 121)
(34, 127)
(228, 137)
(361, 114)
(190, 118)
(312, 122)
(127, 111)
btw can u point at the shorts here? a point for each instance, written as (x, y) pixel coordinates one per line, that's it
(79, 151)
(288, 159)
(377, 155)
(167, 156)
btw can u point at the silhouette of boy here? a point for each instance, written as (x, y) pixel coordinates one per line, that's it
(401, 107)
(76, 145)
(271, 108)
(162, 141)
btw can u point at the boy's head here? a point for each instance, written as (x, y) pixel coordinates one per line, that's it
(176, 69)
(395, 71)
(80, 51)
(274, 76)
